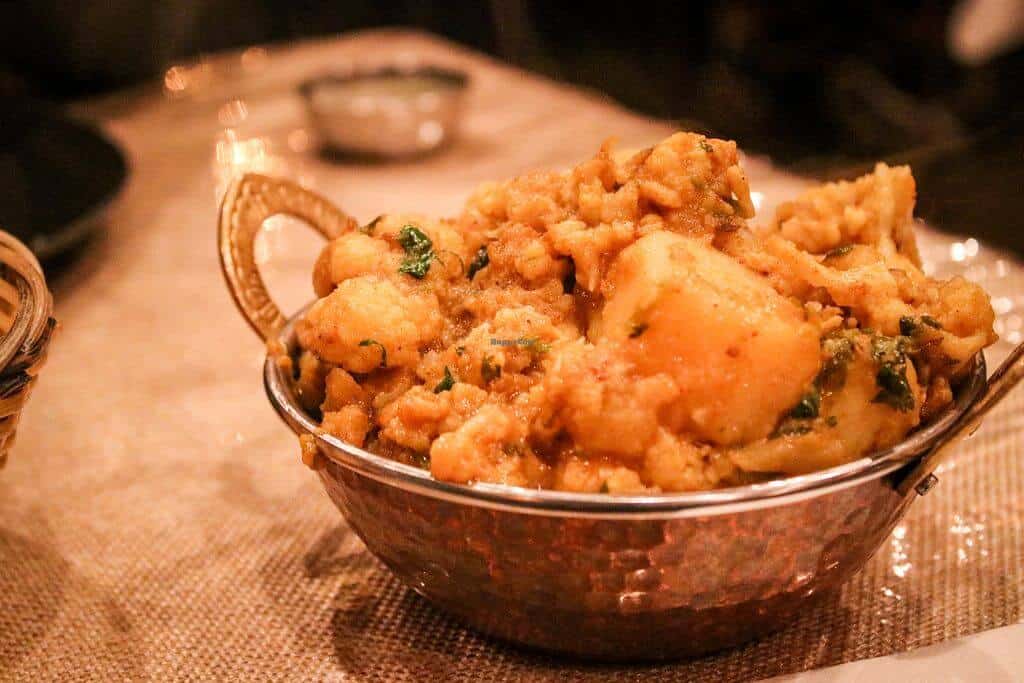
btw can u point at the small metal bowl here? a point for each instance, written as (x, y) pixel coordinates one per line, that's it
(599, 576)
(386, 113)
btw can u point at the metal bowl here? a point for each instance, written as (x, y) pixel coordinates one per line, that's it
(386, 113)
(594, 575)
(619, 577)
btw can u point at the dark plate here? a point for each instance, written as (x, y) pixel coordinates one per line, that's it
(57, 175)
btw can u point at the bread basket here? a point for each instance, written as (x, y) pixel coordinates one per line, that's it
(26, 323)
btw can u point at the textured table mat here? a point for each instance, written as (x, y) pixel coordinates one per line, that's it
(155, 522)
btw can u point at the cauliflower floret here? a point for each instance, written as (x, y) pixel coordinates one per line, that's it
(368, 322)
(605, 405)
(486, 447)
(349, 256)
(416, 417)
(349, 423)
(875, 209)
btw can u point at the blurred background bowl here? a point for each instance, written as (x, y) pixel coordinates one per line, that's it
(388, 113)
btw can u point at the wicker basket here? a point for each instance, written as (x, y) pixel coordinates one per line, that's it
(26, 323)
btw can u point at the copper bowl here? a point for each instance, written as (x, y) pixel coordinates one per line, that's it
(598, 576)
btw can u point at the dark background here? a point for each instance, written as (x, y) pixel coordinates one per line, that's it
(823, 88)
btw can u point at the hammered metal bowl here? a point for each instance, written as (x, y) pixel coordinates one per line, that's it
(598, 576)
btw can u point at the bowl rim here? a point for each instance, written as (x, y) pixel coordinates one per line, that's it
(547, 502)
(452, 78)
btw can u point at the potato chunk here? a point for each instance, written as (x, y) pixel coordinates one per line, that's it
(739, 352)
(365, 318)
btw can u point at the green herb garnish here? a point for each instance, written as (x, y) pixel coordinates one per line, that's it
(419, 251)
(910, 326)
(808, 406)
(889, 350)
(636, 329)
(371, 226)
(446, 383)
(832, 421)
(706, 146)
(839, 349)
(893, 387)
(383, 351)
(489, 371)
(479, 262)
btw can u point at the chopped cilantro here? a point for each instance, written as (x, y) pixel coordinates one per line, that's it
(479, 262)
(890, 353)
(894, 389)
(414, 240)
(383, 351)
(446, 383)
(489, 371)
(419, 251)
(910, 326)
(808, 406)
(839, 351)
(417, 266)
(706, 146)
(889, 350)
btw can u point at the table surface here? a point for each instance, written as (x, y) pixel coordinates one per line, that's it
(156, 522)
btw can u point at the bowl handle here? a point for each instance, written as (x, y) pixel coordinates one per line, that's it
(249, 201)
(1006, 377)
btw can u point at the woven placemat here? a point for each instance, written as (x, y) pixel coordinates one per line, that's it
(155, 522)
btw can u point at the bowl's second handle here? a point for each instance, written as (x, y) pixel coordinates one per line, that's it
(249, 201)
(1005, 378)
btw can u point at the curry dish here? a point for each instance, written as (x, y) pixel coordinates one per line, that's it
(628, 327)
